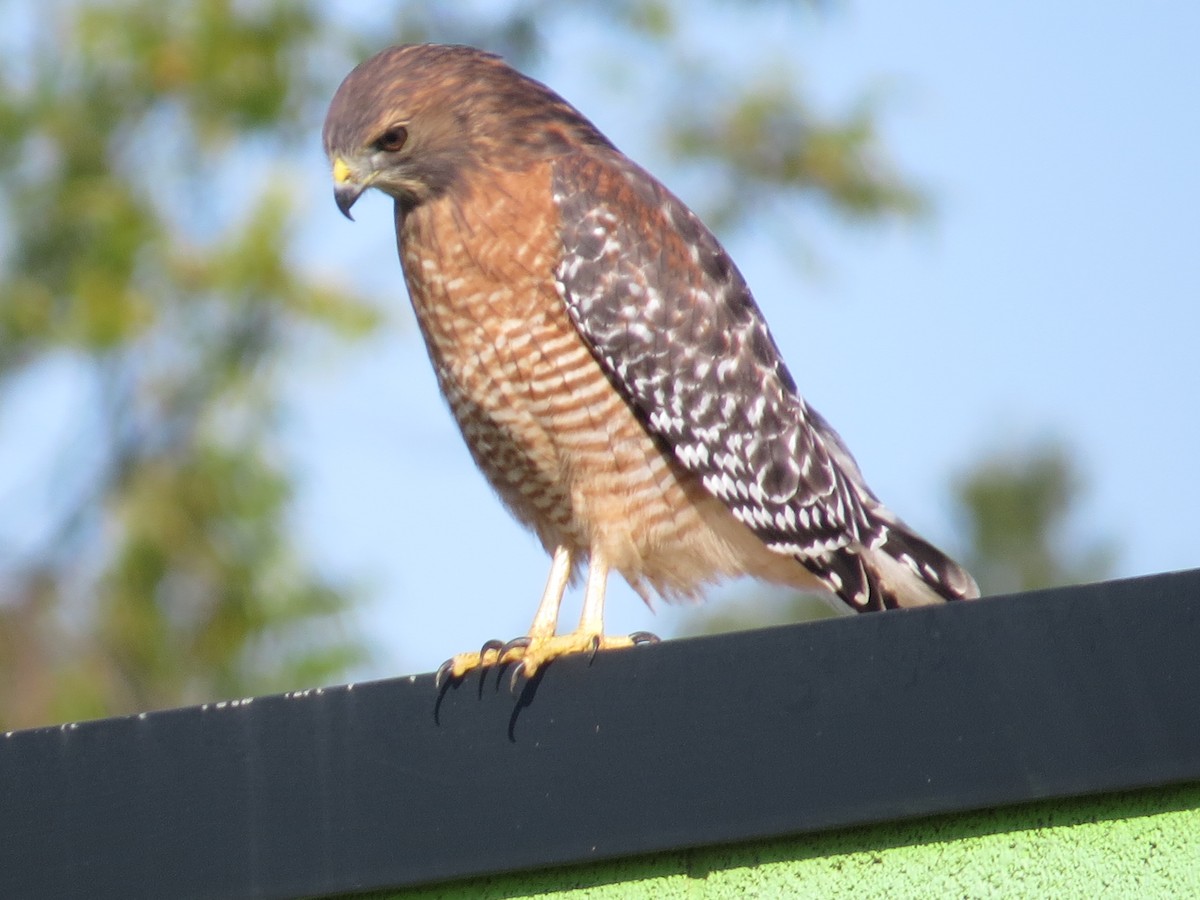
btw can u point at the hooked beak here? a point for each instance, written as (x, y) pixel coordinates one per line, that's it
(346, 188)
(345, 195)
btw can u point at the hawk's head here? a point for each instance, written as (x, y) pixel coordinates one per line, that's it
(412, 119)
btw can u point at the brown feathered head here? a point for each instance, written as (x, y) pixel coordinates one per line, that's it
(411, 118)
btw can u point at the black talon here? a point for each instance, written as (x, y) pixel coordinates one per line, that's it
(645, 637)
(518, 671)
(493, 644)
(523, 641)
(443, 670)
(595, 647)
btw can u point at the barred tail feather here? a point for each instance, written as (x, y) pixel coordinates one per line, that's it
(895, 570)
(913, 572)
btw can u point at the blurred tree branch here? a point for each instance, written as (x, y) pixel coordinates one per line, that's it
(1018, 506)
(170, 577)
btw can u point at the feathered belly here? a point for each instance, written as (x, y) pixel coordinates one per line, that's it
(571, 461)
(553, 436)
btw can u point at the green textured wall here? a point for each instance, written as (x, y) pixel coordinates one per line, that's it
(1144, 844)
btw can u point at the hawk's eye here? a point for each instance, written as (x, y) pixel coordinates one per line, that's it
(393, 139)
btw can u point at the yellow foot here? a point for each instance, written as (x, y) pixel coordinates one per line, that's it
(531, 653)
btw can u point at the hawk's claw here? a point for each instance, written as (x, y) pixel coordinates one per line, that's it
(518, 672)
(457, 666)
(530, 654)
(443, 670)
(522, 642)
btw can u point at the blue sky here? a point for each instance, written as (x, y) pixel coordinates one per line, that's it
(1053, 294)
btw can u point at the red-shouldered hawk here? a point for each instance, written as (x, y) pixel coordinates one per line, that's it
(605, 360)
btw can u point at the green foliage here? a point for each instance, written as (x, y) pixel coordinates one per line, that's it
(1017, 507)
(772, 142)
(172, 578)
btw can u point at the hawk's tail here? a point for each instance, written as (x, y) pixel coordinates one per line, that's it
(893, 569)
(913, 572)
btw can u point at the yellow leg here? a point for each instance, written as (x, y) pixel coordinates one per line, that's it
(545, 621)
(530, 655)
(542, 644)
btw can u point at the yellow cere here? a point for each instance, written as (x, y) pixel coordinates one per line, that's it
(341, 171)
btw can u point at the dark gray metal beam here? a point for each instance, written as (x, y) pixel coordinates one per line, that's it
(880, 717)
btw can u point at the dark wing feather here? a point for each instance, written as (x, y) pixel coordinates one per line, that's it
(672, 322)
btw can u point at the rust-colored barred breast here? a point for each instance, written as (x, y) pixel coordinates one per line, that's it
(553, 437)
